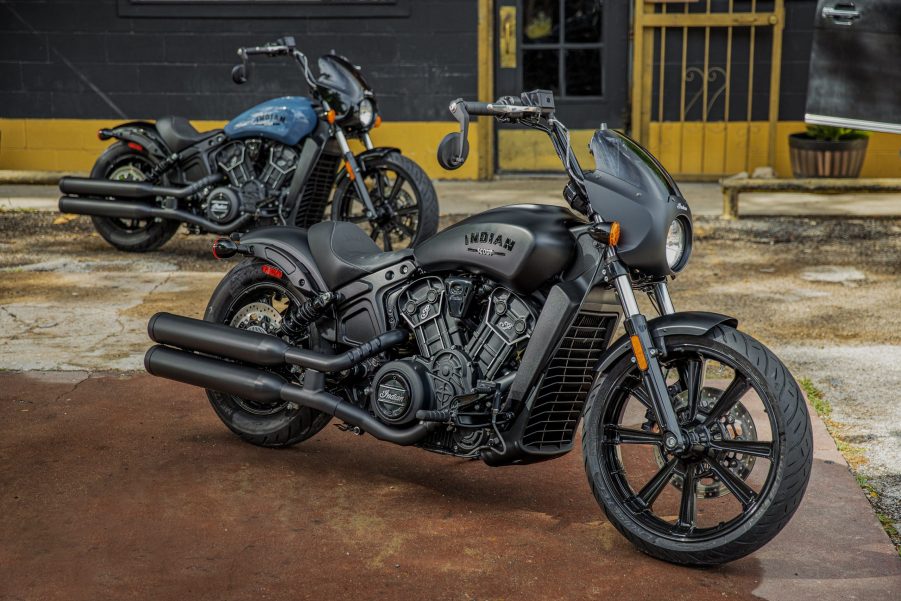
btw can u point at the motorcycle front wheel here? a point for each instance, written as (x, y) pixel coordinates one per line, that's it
(403, 197)
(747, 465)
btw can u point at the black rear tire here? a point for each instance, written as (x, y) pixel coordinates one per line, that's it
(265, 426)
(140, 236)
(414, 204)
(633, 510)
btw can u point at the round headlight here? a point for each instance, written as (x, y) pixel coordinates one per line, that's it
(675, 244)
(366, 113)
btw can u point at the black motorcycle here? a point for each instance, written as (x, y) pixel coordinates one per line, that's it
(494, 339)
(275, 164)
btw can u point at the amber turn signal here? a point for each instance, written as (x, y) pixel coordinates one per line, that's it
(378, 121)
(606, 233)
(330, 116)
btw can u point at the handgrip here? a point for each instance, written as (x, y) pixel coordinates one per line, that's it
(479, 108)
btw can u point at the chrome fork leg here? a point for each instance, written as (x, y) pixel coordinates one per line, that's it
(664, 301)
(646, 357)
(352, 167)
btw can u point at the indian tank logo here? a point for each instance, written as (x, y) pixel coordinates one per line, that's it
(269, 119)
(490, 243)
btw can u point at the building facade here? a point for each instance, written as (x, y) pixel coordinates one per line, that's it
(712, 86)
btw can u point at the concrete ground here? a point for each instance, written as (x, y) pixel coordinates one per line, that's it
(463, 197)
(151, 460)
(122, 486)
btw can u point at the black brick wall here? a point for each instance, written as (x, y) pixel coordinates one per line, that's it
(53, 53)
(153, 66)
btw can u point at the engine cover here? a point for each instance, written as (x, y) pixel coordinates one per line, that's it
(223, 205)
(399, 390)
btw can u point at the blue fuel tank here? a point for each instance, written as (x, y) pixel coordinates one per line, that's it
(287, 120)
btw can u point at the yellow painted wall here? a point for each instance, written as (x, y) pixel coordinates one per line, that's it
(694, 149)
(72, 144)
(722, 148)
(687, 150)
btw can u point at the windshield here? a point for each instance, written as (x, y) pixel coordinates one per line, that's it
(341, 82)
(621, 157)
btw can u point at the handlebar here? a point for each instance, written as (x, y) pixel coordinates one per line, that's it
(273, 50)
(533, 109)
(282, 47)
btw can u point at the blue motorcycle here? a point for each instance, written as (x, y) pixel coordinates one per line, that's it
(283, 162)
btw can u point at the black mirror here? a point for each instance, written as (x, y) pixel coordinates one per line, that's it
(239, 74)
(447, 152)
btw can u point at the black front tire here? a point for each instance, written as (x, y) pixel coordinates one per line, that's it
(278, 426)
(414, 203)
(790, 467)
(145, 236)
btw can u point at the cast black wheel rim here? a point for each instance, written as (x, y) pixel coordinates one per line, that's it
(130, 168)
(397, 205)
(260, 308)
(717, 485)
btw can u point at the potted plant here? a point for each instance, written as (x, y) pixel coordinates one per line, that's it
(825, 151)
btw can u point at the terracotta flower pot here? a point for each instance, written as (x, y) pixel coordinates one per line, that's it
(826, 158)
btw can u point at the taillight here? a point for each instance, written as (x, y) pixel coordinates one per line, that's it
(273, 271)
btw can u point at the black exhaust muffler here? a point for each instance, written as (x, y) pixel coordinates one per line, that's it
(87, 186)
(137, 210)
(266, 387)
(259, 349)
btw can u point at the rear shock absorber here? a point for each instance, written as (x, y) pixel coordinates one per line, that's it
(297, 321)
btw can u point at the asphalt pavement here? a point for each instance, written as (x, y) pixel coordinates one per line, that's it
(123, 486)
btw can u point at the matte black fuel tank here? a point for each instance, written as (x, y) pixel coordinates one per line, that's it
(520, 246)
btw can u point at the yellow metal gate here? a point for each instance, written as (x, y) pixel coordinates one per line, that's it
(705, 85)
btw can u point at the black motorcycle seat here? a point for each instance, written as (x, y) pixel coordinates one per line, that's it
(343, 252)
(178, 133)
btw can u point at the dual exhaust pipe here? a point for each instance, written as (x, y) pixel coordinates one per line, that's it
(88, 196)
(255, 383)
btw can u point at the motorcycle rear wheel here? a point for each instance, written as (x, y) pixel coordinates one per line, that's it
(251, 299)
(130, 235)
(746, 472)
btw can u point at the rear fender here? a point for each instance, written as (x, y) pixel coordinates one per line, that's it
(692, 323)
(142, 133)
(287, 248)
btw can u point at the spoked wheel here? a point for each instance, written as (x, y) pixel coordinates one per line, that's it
(404, 199)
(121, 163)
(250, 299)
(746, 467)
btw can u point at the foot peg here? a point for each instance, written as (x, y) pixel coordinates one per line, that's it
(433, 416)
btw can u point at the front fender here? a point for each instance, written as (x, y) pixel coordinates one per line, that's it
(693, 323)
(367, 155)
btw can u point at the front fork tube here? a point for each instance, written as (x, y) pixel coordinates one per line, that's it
(353, 172)
(652, 374)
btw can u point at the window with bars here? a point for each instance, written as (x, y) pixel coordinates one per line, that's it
(562, 47)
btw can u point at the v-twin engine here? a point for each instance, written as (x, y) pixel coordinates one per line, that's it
(469, 335)
(257, 170)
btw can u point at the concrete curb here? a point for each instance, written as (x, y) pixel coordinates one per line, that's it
(41, 178)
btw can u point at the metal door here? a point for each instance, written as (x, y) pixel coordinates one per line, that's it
(855, 66)
(578, 49)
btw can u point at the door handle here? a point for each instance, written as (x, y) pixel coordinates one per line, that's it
(841, 14)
